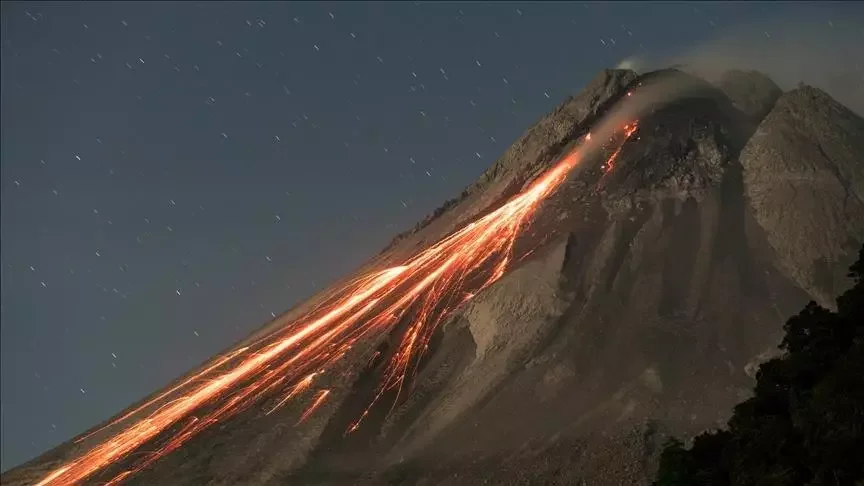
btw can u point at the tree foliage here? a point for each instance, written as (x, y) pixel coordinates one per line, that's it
(805, 423)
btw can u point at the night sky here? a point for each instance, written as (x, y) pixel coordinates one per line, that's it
(175, 174)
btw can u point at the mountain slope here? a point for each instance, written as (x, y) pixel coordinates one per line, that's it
(804, 423)
(535, 150)
(804, 177)
(663, 293)
(652, 283)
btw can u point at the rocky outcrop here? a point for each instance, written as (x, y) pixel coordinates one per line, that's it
(804, 177)
(683, 148)
(506, 325)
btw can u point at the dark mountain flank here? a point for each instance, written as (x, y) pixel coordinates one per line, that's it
(804, 423)
(653, 287)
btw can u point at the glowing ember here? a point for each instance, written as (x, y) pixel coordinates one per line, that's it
(319, 399)
(629, 129)
(433, 284)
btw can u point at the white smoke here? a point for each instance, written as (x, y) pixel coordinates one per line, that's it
(630, 63)
(827, 55)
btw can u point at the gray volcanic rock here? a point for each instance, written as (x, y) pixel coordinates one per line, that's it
(750, 91)
(534, 150)
(683, 148)
(669, 293)
(653, 291)
(848, 87)
(804, 176)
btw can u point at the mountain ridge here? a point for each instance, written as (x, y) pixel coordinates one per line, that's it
(703, 193)
(670, 259)
(541, 142)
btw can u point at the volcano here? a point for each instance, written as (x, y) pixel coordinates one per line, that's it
(615, 278)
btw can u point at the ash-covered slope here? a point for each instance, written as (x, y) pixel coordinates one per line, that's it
(664, 284)
(804, 177)
(653, 289)
(534, 152)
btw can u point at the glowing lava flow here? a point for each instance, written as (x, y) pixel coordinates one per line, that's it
(629, 130)
(433, 283)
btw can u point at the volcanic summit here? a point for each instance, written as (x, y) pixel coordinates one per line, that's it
(614, 278)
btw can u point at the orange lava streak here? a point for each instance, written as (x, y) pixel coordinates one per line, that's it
(217, 363)
(322, 395)
(303, 385)
(434, 282)
(629, 130)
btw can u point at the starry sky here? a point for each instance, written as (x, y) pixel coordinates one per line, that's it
(175, 174)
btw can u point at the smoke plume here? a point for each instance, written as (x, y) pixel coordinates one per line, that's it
(828, 55)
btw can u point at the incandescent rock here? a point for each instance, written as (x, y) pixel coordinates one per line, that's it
(507, 324)
(682, 148)
(534, 150)
(642, 298)
(667, 297)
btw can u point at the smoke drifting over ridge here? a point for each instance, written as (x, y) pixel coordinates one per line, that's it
(649, 94)
(828, 55)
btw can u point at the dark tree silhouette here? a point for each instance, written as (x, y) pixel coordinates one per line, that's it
(805, 423)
